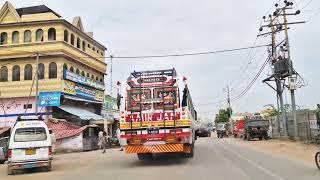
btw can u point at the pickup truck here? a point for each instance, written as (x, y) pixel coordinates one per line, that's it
(256, 129)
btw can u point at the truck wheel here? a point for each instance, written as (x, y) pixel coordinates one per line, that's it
(144, 156)
(266, 137)
(191, 154)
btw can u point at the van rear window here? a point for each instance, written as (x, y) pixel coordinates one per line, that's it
(30, 134)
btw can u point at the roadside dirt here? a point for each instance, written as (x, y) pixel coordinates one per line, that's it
(292, 150)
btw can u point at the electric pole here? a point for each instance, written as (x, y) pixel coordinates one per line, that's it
(111, 57)
(282, 64)
(37, 84)
(230, 111)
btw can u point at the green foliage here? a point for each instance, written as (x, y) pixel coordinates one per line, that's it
(224, 115)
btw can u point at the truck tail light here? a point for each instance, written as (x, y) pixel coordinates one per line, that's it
(50, 151)
(9, 153)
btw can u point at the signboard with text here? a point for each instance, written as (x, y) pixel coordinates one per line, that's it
(82, 91)
(82, 80)
(49, 98)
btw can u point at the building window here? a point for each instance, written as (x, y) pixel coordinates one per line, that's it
(65, 66)
(101, 80)
(52, 34)
(15, 37)
(93, 48)
(27, 106)
(3, 74)
(78, 43)
(77, 71)
(28, 72)
(71, 69)
(66, 36)
(16, 73)
(102, 54)
(82, 73)
(88, 75)
(3, 38)
(97, 79)
(27, 36)
(39, 35)
(41, 71)
(52, 70)
(89, 46)
(98, 51)
(72, 39)
(92, 77)
(83, 46)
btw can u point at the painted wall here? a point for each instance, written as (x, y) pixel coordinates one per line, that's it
(11, 108)
(74, 143)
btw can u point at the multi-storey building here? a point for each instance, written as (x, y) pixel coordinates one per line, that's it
(71, 66)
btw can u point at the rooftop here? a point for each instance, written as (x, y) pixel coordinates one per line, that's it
(35, 10)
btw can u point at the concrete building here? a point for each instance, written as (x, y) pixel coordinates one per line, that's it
(71, 66)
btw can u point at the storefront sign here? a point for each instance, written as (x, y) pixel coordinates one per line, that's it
(82, 80)
(49, 98)
(82, 91)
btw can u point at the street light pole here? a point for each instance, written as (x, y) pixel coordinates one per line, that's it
(37, 84)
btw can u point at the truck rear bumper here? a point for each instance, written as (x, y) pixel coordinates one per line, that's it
(163, 148)
(30, 164)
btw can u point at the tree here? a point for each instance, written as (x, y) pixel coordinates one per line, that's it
(224, 115)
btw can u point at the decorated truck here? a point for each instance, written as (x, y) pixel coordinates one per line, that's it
(158, 116)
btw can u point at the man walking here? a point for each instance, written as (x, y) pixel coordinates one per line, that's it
(104, 142)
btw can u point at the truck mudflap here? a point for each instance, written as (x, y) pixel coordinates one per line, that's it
(163, 148)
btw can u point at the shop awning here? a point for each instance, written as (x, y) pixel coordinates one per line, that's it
(81, 113)
(80, 99)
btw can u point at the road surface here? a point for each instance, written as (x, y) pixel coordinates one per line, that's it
(214, 159)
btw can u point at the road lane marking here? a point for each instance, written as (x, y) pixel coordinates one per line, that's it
(270, 173)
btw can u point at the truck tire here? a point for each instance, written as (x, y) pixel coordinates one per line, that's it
(146, 156)
(266, 137)
(191, 154)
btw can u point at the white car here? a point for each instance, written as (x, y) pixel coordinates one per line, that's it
(29, 146)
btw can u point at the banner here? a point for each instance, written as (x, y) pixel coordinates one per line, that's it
(49, 98)
(153, 116)
(82, 91)
(82, 80)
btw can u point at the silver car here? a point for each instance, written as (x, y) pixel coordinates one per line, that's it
(4, 142)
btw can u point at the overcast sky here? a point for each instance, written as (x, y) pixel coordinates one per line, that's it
(143, 27)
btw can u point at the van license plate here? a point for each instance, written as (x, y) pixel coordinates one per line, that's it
(30, 151)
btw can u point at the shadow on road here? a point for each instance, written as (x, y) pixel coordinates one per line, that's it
(161, 160)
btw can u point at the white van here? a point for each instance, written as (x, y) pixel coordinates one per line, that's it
(29, 146)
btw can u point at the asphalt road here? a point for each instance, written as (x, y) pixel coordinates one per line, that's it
(214, 159)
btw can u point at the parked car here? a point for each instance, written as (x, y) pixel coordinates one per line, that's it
(4, 143)
(256, 129)
(29, 146)
(203, 132)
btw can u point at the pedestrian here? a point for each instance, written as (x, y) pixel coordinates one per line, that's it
(119, 139)
(100, 135)
(104, 142)
(318, 115)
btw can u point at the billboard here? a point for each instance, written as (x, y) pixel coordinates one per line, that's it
(82, 91)
(49, 98)
(82, 80)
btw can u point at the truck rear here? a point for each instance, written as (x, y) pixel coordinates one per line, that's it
(156, 119)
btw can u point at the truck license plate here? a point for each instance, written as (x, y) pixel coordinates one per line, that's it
(30, 151)
(153, 131)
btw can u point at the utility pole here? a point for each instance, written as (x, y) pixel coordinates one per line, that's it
(37, 84)
(230, 112)
(111, 57)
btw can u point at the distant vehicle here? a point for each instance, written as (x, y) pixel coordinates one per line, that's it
(203, 132)
(256, 129)
(239, 129)
(221, 130)
(4, 143)
(29, 146)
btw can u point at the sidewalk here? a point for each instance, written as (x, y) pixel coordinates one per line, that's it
(289, 149)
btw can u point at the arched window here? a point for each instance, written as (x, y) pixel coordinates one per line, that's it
(101, 80)
(39, 35)
(3, 38)
(16, 73)
(92, 77)
(41, 71)
(52, 34)
(83, 46)
(97, 51)
(78, 42)
(15, 37)
(89, 46)
(28, 72)
(3, 74)
(52, 70)
(93, 48)
(65, 66)
(77, 71)
(88, 75)
(97, 79)
(82, 73)
(71, 69)
(66, 36)
(27, 36)
(72, 39)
